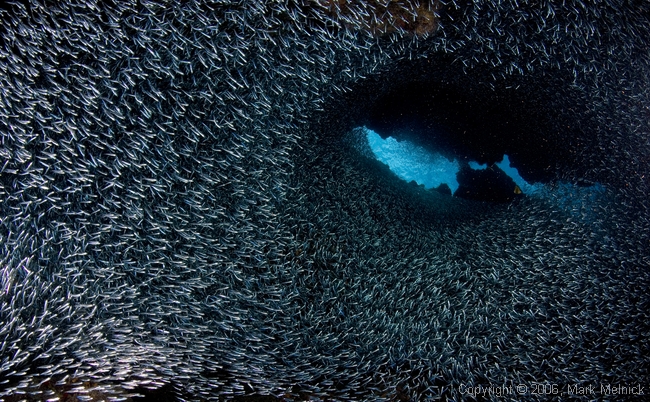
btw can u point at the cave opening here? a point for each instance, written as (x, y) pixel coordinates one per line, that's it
(498, 182)
(518, 128)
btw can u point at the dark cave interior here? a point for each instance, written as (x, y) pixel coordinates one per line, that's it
(540, 120)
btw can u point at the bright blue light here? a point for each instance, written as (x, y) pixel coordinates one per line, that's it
(411, 162)
(524, 186)
(476, 166)
(504, 165)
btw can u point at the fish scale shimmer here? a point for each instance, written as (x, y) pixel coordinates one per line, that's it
(186, 212)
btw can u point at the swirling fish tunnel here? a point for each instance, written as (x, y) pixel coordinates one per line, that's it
(188, 211)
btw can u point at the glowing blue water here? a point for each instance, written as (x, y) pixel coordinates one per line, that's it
(524, 186)
(411, 162)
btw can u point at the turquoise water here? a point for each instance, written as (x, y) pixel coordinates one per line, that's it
(412, 162)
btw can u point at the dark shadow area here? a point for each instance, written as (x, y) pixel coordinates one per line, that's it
(490, 184)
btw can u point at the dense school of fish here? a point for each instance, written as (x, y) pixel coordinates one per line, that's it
(181, 211)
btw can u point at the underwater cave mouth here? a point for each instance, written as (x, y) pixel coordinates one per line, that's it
(499, 182)
(472, 135)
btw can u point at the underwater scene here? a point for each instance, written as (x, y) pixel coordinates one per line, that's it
(324, 200)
